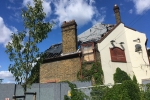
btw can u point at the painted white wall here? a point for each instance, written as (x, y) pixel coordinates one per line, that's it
(122, 34)
(139, 60)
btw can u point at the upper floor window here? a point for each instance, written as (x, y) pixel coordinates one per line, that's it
(87, 51)
(117, 55)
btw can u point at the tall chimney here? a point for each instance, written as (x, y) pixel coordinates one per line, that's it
(69, 37)
(117, 13)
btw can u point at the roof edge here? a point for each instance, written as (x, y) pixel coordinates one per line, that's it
(63, 57)
(99, 41)
(130, 28)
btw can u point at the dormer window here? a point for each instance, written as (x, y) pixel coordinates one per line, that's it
(88, 52)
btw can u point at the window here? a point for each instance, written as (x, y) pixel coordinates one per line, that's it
(117, 55)
(138, 48)
(87, 51)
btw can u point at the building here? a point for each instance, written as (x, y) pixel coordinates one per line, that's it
(125, 48)
(64, 60)
(113, 45)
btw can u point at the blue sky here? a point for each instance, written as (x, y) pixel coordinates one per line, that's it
(134, 13)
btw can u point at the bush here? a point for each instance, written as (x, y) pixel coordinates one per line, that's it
(120, 76)
(128, 90)
(134, 79)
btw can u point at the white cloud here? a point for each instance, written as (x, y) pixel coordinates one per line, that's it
(46, 5)
(6, 75)
(141, 5)
(82, 11)
(99, 20)
(148, 47)
(5, 32)
(100, 17)
(131, 11)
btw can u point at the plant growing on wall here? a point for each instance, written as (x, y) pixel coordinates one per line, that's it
(23, 50)
(95, 72)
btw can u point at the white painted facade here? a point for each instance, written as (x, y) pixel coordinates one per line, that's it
(137, 62)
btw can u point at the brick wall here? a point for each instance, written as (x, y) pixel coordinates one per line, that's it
(60, 70)
(69, 37)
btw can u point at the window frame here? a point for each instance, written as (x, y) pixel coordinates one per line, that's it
(117, 55)
(87, 54)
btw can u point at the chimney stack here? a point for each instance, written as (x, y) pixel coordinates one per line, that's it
(69, 37)
(117, 13)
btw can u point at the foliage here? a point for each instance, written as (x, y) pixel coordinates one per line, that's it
(35, 72)
(145, 94)
(116, 93)
(134, 79)
(86, 74)
(23, 50)
(96, 72)
(75, 93)
(130, 86)
(128, 90)
(120, 76)
(98, 92)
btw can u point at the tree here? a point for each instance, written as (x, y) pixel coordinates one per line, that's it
(120, 76)
(76, 94)
(134, 79)
(22, 50)
(128, 90)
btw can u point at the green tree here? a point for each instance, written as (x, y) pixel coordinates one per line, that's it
(130, 86)
(76, 94)
(23, 50)
(134, 79)
(116, 93)
(120, 76)
(128, 90)
(145, 94)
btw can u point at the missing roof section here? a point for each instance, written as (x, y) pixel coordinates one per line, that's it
(95, 32)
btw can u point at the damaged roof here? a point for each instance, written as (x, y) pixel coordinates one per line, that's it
(54, 51)
(95, 32)
(92, 34)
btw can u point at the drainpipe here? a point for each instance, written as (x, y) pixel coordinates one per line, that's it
(81, 65)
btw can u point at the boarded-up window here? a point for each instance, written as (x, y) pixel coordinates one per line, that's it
(117, 55)
(87, 51)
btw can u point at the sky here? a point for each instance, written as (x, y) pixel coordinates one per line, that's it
(134, 14)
